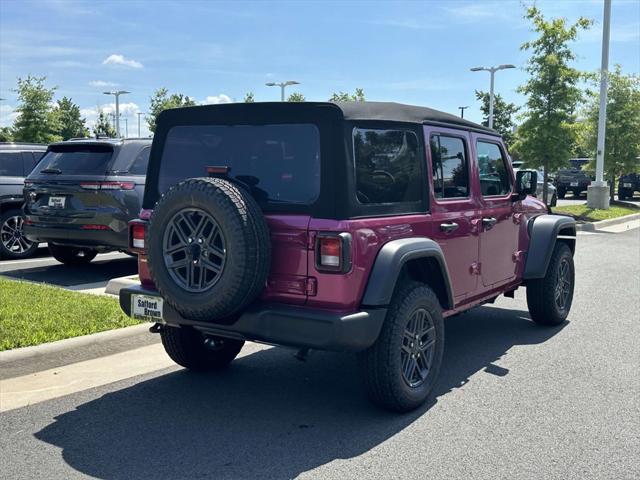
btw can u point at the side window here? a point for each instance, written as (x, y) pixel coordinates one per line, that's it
(139, 165)
(387, 166)
(494, 174)
(450, 167)
(11, 164)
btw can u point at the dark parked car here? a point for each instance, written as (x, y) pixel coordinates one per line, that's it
(16, 162)
(83, 193)
(572, 179)
(627, 185)
(350, 227)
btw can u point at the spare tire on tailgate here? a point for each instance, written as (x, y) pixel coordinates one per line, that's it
(209, 249)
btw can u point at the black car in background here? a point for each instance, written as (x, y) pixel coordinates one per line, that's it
(627, 185)
(83, 193)
(16, 162)
(573, 178)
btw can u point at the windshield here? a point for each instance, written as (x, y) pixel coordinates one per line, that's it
(279, 163)
(78, 160)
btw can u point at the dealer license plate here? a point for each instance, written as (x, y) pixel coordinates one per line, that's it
(627, 185)
(57, 202)
(146, 307)
(574, 184)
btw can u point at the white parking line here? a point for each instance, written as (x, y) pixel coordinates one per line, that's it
(48, 259)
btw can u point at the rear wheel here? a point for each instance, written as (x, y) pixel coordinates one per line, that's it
(549, 298)
(622, 194)
(401, 368)
(196, 351)
(561, 192)
(13, 243)
(72, 255)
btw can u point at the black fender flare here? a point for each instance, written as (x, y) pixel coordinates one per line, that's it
(543, 234)
(389, 262)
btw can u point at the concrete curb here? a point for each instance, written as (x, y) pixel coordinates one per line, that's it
(593, 226)
(116, 284)
(54, 348)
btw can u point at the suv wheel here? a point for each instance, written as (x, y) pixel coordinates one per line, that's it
(209, 248)
(401, 368)
(196, 351)
(13, 243)
(549, 299)
(561, 192)
(622, 194)
(72, 255)
(554, 201)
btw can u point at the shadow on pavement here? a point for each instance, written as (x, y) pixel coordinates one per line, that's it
(68, 275)
(268, 416)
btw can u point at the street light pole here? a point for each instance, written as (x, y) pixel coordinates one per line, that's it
(117, 95)
(282, 86)
(462, 109)
(597, 192)
(492, 71)
(138, 114)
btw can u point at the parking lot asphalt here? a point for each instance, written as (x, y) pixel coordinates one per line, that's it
(514, 400)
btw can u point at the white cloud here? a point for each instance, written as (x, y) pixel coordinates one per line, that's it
(7, 115)
(215, 100)
(117, 59)
(102, 83)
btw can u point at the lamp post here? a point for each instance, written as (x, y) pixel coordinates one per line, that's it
(282, 86)
(462, 109)
(117, 94)
(139, 114)
(492, 71)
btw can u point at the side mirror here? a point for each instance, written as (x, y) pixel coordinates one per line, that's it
(526, 182)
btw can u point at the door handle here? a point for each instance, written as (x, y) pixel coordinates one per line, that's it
(449, 227)
(489, 222)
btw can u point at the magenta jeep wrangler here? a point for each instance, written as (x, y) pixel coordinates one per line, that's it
(349, 227)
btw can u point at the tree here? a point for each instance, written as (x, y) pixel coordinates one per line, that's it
(103, 127)
(622, 141)
(546, 137)
(296, 97)
(358, 96)
(503, 113)
(69, 122)
(36, 121)
(249, 98)
(161, 101)
(5, 134)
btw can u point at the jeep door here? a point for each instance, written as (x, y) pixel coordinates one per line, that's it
(454, 206)
(499, 228)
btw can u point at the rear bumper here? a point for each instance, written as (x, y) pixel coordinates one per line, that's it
(284, 325)
(76, 237)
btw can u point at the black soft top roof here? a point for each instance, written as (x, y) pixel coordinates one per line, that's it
(363, 111)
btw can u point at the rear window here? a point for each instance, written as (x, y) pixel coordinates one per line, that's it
(11, 164)
(279, 163)
(78, 160)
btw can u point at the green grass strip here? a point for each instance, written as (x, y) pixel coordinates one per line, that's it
(31, 314)
(582, 212)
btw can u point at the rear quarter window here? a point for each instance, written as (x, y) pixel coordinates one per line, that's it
(11, 164)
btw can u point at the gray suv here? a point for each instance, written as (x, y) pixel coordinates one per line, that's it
(82, 195)
(16, 162)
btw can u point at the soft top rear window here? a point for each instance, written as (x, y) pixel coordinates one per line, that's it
(76, 160)
(280, 163)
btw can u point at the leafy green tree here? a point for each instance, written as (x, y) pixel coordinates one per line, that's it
(103, 127)
(622, 141)
(546, 137)
(70, 123)
(161, 101)
(5, 134)
(249, 98)
(296, 97)
(36, 121)
(357, 96)
(503, 113)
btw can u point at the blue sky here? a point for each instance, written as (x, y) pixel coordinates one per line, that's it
(411, 52)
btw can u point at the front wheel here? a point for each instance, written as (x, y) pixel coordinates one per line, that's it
(196, 351)
(72, 255)
(401, 368)
(549, 298)
(13, 243)
(554, 201)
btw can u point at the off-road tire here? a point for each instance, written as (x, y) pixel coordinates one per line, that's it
(187, 348)
(247, 248)
(10, 254)
(561, 192)
(72, 255)
(382, 364)
(541, 292)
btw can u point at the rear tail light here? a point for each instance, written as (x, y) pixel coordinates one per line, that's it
(333, 252)
(108, 185)
(137, 231)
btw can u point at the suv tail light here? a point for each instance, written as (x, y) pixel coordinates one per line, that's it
(333, 252)
(108, 185)
(137, 232)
